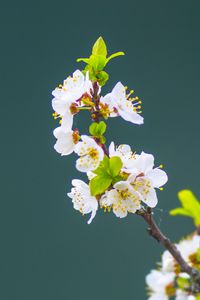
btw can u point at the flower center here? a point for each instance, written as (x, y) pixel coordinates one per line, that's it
(170, 290)
(75, 136)
(93, 153)
(142, 185)
(195, 259)
(124, 194)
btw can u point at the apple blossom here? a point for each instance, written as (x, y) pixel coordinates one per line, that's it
(123, 199)
(118, 104)
(90, 154)
(160, 285)
(66, 140)
(144, 178)
(82, 199)
(67, 97)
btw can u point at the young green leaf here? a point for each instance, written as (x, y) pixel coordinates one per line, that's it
(97, 62)
(180, 211)
(102, 127)
(93, 128)
(115, 165)
(103, 167)
(102, 139)
(85, 60)
(97, 129)
(190, 206)
(183, 282)
(99, 47)
(114, 55)
(102, 77)
(99, 184)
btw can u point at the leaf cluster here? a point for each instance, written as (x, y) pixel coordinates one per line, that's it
(97, 61)
(106, 174)
(97, 130)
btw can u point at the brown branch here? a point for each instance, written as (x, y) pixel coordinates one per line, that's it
(157, 234)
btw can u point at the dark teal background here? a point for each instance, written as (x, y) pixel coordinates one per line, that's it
(48, 252)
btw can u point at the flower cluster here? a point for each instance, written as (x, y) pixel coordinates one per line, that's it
(168, 282)
(119, 179)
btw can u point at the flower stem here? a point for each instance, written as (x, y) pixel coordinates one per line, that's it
(96, 113)
(157, 234)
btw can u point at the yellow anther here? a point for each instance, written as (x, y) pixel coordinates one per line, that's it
(161, 167)
(161, 189)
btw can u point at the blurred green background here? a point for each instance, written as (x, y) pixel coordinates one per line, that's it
(48, 252)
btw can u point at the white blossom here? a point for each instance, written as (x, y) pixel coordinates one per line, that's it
(118, 104)
(124, 152)
(160, 285)
(66, 140)
(70, 93)
(90, 154)
(168, 262)
(82, 199)
(145, 178)
(122, 199)
(189, 247)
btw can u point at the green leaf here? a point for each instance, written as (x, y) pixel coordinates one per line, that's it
(102, 139)
(183, 282)
(114, 55)
(102, 127)
(99, 47)
(97, 129)
(97, 62)
(115, 165)
(102, 77)
(103, 166)
(190, 206)
(117, 178)
(99, 184)
(179, 211)
(93, 128)
(86, 60)
(106, 174)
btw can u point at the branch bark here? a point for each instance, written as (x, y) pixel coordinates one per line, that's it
(157, 234)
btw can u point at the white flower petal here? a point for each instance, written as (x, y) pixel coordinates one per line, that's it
(82, 199)
(67, 121)
(158, 177)
(64, 144)
(131, 116)
(121, 185)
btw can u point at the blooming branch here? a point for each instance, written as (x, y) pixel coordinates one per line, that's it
(119, 179)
